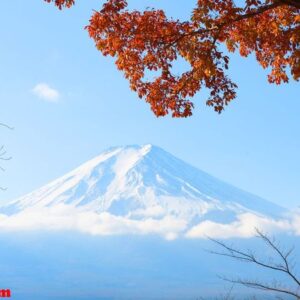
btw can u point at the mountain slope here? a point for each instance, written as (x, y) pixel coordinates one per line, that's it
(144, 181)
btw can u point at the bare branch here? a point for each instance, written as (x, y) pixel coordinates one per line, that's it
(284, 266)
(3, 152)
(264, 286)
(7, 126)
(283, 255)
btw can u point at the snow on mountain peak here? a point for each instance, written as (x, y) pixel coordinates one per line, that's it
(145, 189)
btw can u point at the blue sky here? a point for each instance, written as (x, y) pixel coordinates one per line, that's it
(254, 144)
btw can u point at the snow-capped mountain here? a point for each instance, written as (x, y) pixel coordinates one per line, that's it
(137, 184)
(138, 181)
(133, 196)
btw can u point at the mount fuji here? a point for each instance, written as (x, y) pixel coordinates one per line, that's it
(132, 224)
(142, 189)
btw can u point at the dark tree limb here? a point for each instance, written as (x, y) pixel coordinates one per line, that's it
(3, 153)
(282, 266)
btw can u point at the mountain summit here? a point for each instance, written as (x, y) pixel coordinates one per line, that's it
(136, 179)
(138, 183)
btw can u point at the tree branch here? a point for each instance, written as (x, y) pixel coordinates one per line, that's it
(263, 286)
(284, 267)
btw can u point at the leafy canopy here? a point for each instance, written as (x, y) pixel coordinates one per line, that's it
(145, 42)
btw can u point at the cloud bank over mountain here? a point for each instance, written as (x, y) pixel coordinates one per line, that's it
(65, 218)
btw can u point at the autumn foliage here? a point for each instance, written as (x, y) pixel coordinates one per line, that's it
(147, 44)
(62, 3)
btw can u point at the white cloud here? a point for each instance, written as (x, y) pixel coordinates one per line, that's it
(296, 223)
(45, 92)
(243, 227)
(63, 217)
